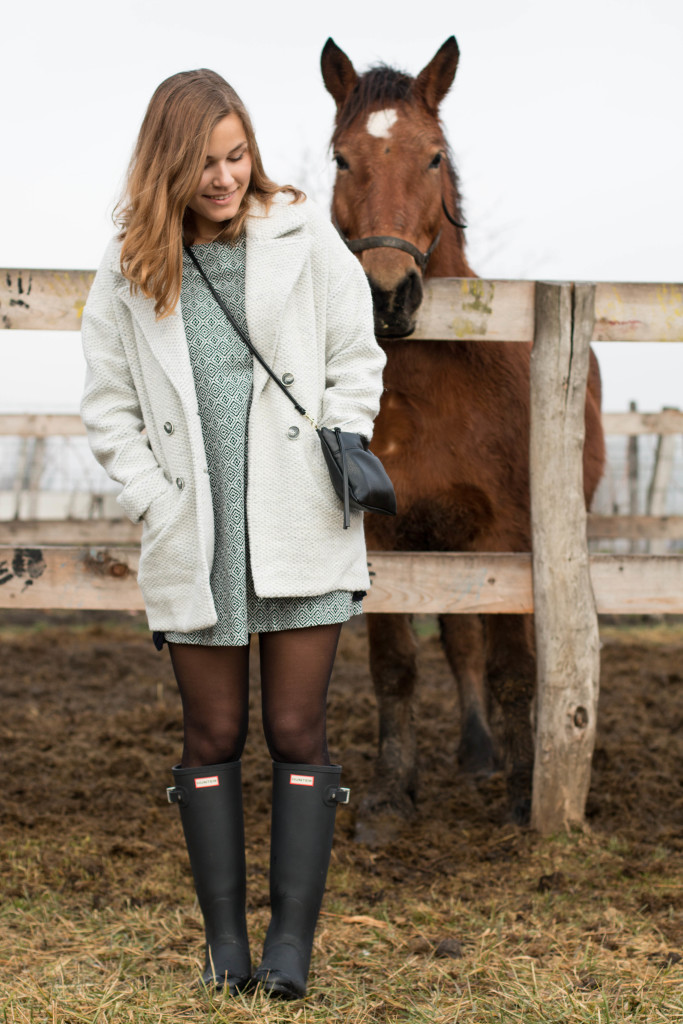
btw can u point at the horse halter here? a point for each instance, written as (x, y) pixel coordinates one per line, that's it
(391, 242)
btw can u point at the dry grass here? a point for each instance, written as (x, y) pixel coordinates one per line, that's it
(558, 930)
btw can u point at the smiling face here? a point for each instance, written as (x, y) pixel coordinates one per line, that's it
(224, 180)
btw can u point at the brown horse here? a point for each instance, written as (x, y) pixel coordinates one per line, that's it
(453, 428)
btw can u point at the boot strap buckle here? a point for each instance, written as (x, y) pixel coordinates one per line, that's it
(338, 795)
(173, 794)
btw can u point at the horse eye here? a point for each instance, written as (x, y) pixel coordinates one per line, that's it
(341, 162)
(436, 161)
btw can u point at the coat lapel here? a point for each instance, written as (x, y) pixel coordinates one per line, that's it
(166, 339)
(277, 251)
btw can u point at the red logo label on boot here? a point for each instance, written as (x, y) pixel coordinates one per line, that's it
(208, 780)
(301, 780)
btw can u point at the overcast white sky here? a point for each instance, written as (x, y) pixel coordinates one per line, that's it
(565, 120)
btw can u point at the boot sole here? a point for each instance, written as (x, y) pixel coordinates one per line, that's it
(277, 986)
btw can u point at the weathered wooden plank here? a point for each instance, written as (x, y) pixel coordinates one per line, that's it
(121, 532)
(24, 424)
(437, 582)
(38, 506)
(468, 309)
(566, 622)
(58, 577)
(46, 300)
(638, 584)
(96, 577)
(638, 312)
(116, 532)
(65, 505)
(27, 424)
(71, 532)
(65, 577)
(635, 527)
(669, 421)
(445, 582)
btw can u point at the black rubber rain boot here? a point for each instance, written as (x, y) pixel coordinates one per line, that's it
(305, 799)
(210, 801)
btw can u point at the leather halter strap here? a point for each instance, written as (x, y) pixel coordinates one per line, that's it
(392, 242)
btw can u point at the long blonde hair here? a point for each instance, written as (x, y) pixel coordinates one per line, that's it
(164, 174)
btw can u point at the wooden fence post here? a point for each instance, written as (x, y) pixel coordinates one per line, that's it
(633, 479)
(659, 485)
(566, 623)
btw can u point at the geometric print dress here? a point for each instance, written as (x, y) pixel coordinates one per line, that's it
(223, 373)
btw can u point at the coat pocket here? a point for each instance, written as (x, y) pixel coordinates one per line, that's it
(160, 540)
(161, 510)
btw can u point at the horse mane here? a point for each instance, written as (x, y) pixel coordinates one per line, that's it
(379, 86)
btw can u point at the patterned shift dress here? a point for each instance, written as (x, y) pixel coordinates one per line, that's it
(223, 372)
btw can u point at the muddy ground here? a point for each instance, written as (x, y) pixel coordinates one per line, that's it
(90, 723)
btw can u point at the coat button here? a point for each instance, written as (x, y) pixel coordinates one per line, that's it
(179, 482)
(287, 378)
(293, 432)
(168, 427)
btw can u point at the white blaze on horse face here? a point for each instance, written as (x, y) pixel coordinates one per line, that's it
(380, 123)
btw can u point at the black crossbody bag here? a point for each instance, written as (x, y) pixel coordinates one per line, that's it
(358, 477)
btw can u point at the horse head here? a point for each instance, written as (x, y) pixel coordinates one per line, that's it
(396, 199)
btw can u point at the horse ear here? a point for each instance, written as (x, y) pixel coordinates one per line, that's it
(434, 81)
(339, 74)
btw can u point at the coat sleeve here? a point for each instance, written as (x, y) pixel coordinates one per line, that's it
(110, 406)
(354, 360)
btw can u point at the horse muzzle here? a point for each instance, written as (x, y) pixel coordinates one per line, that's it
(395, 309)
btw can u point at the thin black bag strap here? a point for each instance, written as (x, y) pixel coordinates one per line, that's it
(345, 477)
(257, 355)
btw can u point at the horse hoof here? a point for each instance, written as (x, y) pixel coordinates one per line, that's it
(381, 821)
(520, 811)
(519, 793)
(476, 755)
(379, 832)
(480, 763)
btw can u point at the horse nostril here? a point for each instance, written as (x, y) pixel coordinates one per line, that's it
(414, 293)
(408, 294)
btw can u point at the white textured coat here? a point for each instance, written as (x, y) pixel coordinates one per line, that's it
(309, 313)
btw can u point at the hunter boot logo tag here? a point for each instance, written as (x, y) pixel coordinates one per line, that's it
(301, 780)
(208, 780)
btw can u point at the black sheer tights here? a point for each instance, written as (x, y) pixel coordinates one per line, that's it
(296, 665)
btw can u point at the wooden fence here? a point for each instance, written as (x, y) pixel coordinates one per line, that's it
(92, 564)
(88, 515)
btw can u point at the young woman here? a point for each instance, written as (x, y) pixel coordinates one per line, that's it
(242, 530)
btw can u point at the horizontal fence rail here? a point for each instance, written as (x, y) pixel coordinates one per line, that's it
(104, 578)
(30, 424)
(453, 309)
(120, 532)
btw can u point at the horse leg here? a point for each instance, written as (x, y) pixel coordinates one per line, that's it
(393, 664)
(511, 671)
(462, 637)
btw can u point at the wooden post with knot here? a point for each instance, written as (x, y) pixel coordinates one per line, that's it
(566, 622)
